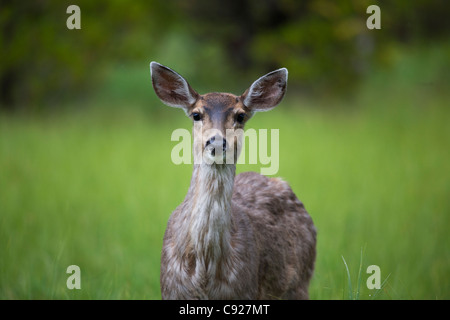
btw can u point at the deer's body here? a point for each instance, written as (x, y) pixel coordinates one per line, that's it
(244, 237)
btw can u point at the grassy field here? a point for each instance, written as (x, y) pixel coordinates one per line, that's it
(94, 187)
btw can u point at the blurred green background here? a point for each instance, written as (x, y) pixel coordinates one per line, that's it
(85, 171)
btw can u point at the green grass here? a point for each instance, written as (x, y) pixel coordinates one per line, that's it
(95, 188)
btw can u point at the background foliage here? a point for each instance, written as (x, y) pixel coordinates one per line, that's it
(325, 44)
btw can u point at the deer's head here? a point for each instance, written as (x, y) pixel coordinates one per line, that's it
(218, 118)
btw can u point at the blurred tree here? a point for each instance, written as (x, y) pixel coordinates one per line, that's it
(42, 60)
(324, 43)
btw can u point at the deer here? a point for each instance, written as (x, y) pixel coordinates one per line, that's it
(233, 237)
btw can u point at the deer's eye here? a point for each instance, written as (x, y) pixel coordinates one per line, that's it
(240, 117)
(196, 116)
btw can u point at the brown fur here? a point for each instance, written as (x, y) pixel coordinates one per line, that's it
(284, 231)
(244, 237)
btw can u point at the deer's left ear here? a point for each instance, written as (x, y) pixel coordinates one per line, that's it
(172, 88)
(266, 92)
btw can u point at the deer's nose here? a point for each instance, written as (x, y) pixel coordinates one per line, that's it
(216, 141)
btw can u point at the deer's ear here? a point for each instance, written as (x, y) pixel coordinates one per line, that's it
(266, 92)
(172, 88)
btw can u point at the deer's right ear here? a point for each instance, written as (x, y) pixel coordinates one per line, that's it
(266, 92)
(172, 88)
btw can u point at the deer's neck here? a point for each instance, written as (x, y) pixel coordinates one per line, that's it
(209, 210)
